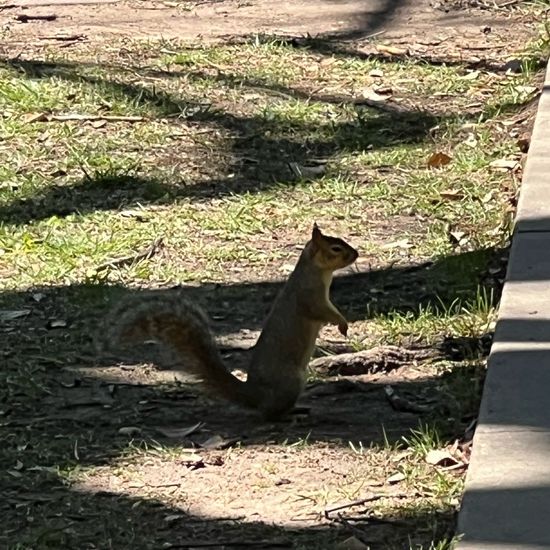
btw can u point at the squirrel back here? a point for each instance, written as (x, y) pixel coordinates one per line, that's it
(277, 371)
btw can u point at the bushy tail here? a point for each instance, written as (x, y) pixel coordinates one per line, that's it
(182, 325)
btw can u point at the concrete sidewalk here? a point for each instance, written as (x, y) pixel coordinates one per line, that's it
(507, 499)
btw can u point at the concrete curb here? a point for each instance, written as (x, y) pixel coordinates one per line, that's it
(506, 504)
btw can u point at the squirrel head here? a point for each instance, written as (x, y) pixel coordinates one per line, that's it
(330, 253)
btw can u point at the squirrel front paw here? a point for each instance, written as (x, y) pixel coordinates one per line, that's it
(343, 327)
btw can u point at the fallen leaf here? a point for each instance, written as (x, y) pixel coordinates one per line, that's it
(307, 172)
(139, 215)
(63, 37)
(523, 142)
(469, 76)
(11, 315)
(441, 458)
(403, 243)
(282, 482)
(57, 323)
(372, 95)
(401, 456)
(527, 89)
(487, 197)
(192, 461)
(34, 117)
(504, 164)
(173, 517)
(392, 50)
(383, 90)
(439, 159)
(395, 478)
(452, 194)
(376, 73)
(471, 140)
(458, 237)
(99, 123)
(178, 433)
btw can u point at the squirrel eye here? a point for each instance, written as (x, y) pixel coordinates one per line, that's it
(336, 248)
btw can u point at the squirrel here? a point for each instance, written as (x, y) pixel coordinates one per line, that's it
(277, 372)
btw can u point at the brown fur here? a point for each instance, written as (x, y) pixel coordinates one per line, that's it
(277, 370)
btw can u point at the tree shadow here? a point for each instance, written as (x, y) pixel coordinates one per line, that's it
(63, 407)
(81, 309)
(263, 150)
(51, 515)
(338, 45)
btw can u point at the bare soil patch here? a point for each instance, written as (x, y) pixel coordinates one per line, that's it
(471, 29)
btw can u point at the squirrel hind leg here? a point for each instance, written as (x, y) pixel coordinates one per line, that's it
(279, 396)
(277, 407)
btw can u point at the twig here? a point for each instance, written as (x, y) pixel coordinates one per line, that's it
(150, 251)
(24, 17)
(64, 37)
(338, 507)
(482, 46)
(370, 519)
(386, 106)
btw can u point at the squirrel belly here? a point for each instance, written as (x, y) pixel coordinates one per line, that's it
(277, 372)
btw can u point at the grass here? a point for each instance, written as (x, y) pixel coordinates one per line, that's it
(240, 149)
(470, 319)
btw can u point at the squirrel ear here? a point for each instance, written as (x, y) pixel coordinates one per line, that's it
(316, 233)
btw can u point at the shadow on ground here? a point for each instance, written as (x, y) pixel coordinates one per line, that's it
(64, 405)
(62, 408)
(262, 150)
(60, 518)
(55, 420)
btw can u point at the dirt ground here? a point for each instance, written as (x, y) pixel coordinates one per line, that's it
(204, 472)
(439, 24)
